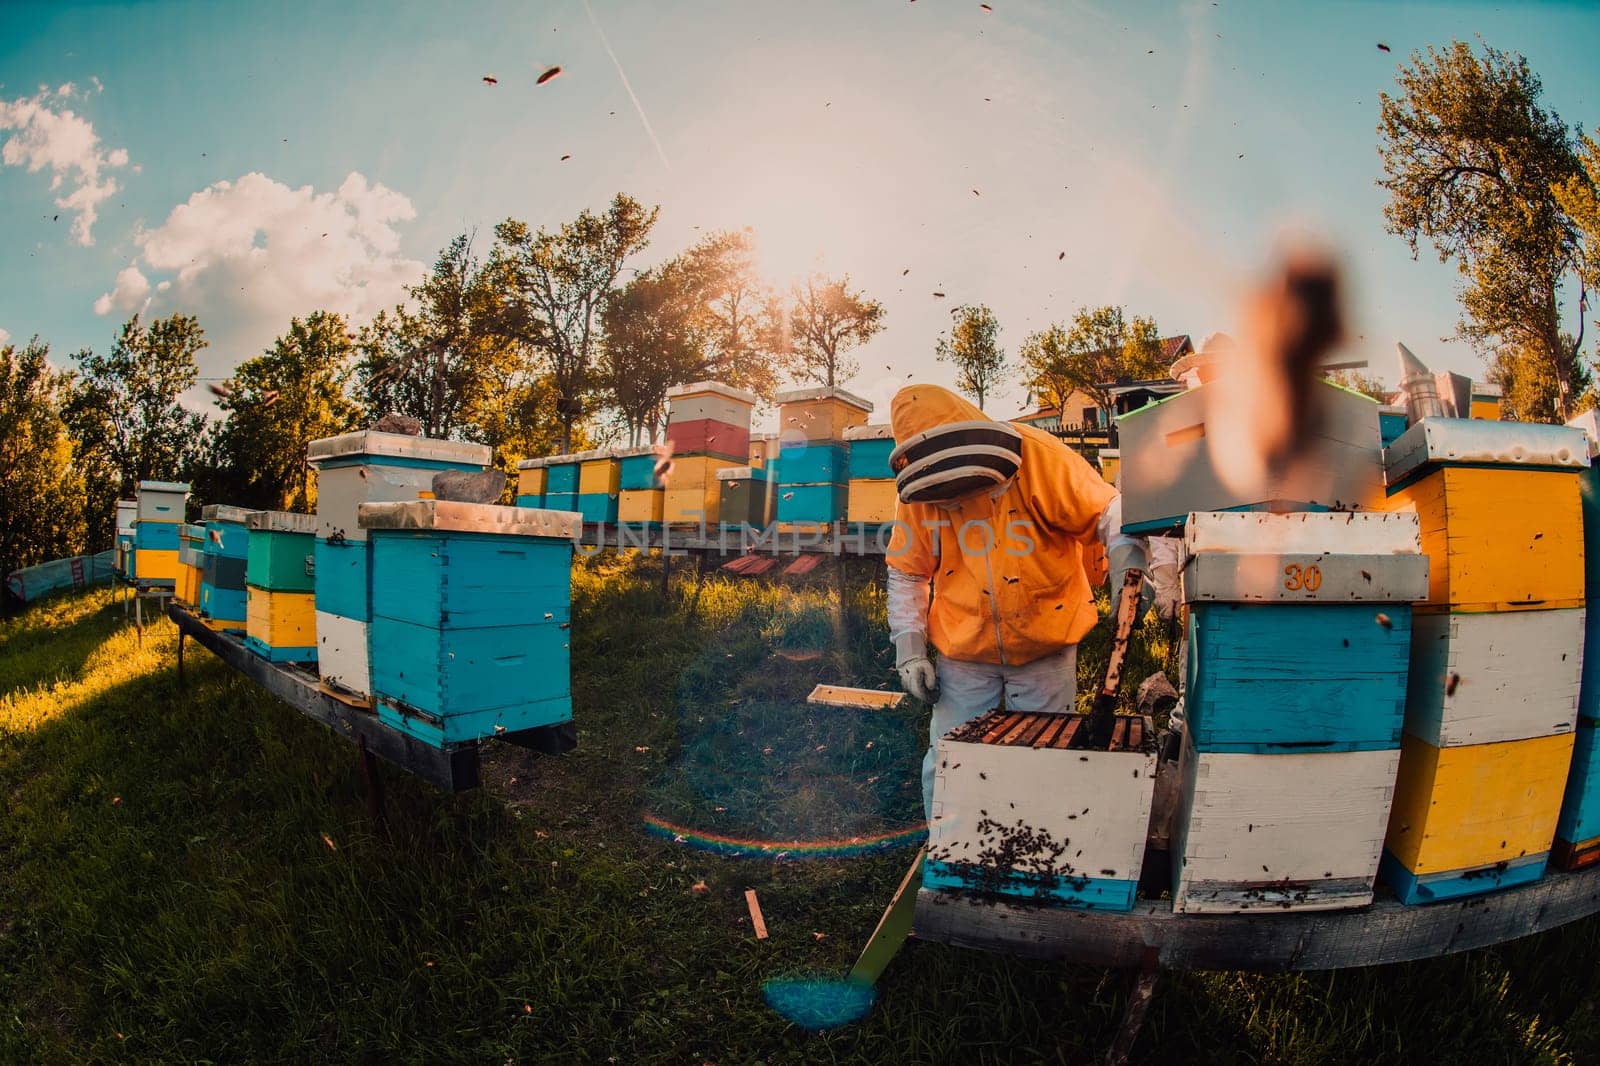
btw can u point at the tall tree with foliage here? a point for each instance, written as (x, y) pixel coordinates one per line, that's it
(730, 314)
(41, 493)
(655, 337)
(1530, 390)
(126, 415)
(973, 348)
(822, 320)
(428, 359)
(1473, 164)
(1368, 385)
(550, 288)
(277, 404)
(1100, 349)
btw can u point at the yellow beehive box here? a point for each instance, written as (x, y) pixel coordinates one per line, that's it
(641, 506)
(281, 626)
(694, 472)
(692, 505)
(1110, 464)
(599, 471)
(1473, 818)
(531, 477)
(870, 501)
(1486, 400)
(1502, 523)
(154, 564)
(820, 413)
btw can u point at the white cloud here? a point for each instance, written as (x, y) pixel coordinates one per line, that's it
(131, 293)
(245, 256)
(5, 338)
(44, 132)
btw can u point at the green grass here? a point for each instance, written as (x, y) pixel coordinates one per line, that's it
(190, 874)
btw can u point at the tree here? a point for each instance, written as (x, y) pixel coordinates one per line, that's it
(41, 494)
(428, 362)
(654, 339)
(737, 346)
(1530, 391)
(550, 287)
(1100, 350)
(126, 418)
(1369, 385)
(276, 404)
(823, 321)
(974, 349)
(1473, 163)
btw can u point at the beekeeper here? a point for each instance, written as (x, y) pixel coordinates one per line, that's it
(1000, 533)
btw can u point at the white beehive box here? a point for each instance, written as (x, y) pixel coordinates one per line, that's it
(1280, 832)
(162, 501)
(1017, 813)
(373, 467)
(342, 654)
(1482, 678)
(710, 400)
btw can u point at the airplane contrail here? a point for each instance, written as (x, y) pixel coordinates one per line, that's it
(637, 106)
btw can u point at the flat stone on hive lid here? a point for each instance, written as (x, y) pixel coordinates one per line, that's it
(483, 486)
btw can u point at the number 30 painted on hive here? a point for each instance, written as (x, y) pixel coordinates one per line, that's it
(1297, 578)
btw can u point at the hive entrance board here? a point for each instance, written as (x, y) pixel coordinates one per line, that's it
(864, 698)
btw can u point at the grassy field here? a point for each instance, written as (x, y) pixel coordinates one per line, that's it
(190, 875)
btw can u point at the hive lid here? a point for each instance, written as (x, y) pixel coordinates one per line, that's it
(448, 516)
(192, 530)
(1435, 441)
(1589, 422)
(281, 522)
(1303, 533)
(884, 432)
(163, 486)
(634, 453)
(562, 460)
(534, 464)
(823, 392)
(714, 388)
(377, 445)
(225, 512)
(592, 454)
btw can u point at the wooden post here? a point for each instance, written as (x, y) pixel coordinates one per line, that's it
(1133, 1011)
(371, 784)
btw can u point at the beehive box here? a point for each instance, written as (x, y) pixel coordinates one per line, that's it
(162, 501)
(470, 614)
(1110, 464)
(127, 514)
(712, 401)
(155, 552)
(1167, 469)
(763, 449)
(640, 499)
(191, 564)
(641, 507)
(1499, 504)
(1280, 832)
(743, 498)
(1017, 813)
(223, 600)
(1578, 830)
(709, 436)
(870, 502)
(821, 413)
(531, 482)
(1473, 818)
(561, 476)
(814, 463)
(281, 627)
(599, 480)
(1295, 685)
(373, 467)
(1486, 398)
(280, 555)
(869, 449)
(1391, 422)
(561, 501)
(812, 505)
(1493, 676)
(693, 493)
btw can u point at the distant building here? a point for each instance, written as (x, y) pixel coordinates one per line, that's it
(1081, 418)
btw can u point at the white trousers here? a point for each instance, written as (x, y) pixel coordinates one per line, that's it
(968, 690)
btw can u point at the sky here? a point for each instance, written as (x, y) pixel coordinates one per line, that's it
(247, 163)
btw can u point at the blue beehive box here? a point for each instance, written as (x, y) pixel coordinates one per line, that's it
(561, 477)
(813, 463)
(638, 469)
(470, 613)
(870, 448)
(1298, 655)
(811, 503)
(223, 599)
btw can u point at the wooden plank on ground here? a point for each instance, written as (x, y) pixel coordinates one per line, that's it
(756, 920)
(893, 927)
(864, 698)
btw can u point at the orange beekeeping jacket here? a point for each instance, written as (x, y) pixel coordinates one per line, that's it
(1012, 571)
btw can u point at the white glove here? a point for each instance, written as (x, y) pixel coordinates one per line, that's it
(917, 675)
(1129, 554)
